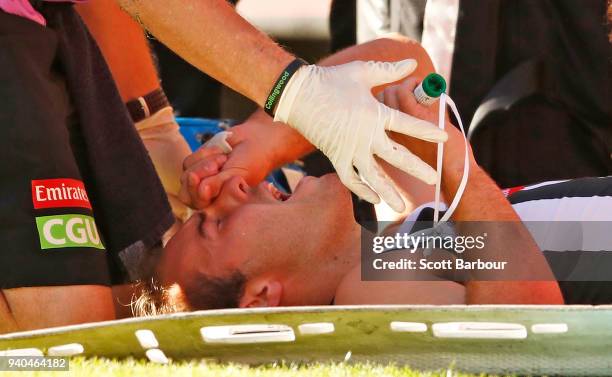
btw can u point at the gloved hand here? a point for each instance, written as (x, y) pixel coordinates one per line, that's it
(399, 96)
(167, 149)
(334, 109)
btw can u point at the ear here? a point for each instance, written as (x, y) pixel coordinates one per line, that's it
(261, 292)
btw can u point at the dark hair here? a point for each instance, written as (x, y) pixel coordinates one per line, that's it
(214, 293)
(204, 293)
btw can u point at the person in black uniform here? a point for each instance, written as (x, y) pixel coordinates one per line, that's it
(79, 196)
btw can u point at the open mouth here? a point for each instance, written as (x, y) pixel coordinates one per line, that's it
(277, 194)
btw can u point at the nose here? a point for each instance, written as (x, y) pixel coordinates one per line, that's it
(235, 191)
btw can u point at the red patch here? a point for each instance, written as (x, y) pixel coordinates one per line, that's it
(60, 192)
(509, 191)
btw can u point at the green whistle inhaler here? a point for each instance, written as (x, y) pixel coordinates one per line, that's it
(430, 89)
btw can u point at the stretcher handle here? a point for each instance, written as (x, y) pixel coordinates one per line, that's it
(243, 334)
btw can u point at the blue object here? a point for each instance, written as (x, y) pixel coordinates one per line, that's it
(199, 130)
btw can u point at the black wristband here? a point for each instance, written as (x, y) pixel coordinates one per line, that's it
(147, 105)
(280, 85)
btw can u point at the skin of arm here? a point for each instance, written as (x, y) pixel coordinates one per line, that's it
(231, 51)
(39, 307)
(484, 202)
(124, 46)
(7, 321)
(260, 145)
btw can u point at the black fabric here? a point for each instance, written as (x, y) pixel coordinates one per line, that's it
(575, 292)
(575, 188)
(475, 56)
(342, 24)
(62, 117)
(563, 264)
(521, 82)
(279, 86)
(151, 103)
(191, 92)
(586, 292)
(35, 143)
(538, 140)
(565, 130)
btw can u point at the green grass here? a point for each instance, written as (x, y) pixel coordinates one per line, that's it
(134, 368)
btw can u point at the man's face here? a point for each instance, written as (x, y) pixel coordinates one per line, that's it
(260, 232)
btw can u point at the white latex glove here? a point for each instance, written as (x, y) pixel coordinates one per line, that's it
(333, 107)
(167, 149)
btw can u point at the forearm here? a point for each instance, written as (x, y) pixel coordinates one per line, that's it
(40, 307)
(483, 209)
(215, 39)
(285, 143)
(289, 144)
(124, 46)
(7, 321)
(482, 200)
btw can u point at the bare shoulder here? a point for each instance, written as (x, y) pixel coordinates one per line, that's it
(353, 291)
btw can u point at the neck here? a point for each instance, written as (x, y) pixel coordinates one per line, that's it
(325, 275)
(349, 253)
(354, 272)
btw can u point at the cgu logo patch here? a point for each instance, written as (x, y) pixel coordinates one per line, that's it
(72, 230)
(60, 192)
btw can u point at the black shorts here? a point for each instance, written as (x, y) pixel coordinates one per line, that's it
(48, 233)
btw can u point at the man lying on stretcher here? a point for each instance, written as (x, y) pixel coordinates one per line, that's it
(254, 246)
